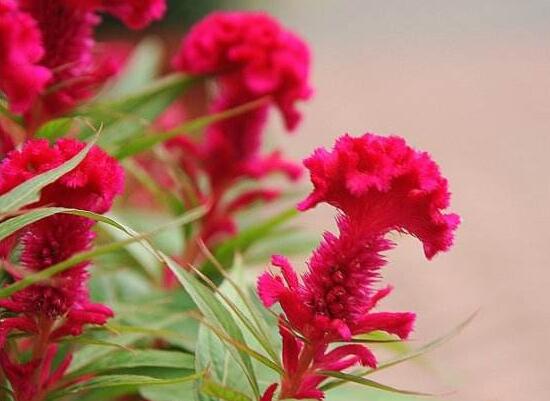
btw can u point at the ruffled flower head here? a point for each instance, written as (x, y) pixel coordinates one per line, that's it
(92, 185)
(252, 51)
(383, 185)
(44, 244)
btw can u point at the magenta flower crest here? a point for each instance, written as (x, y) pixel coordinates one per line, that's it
(379, 184)
(252, 51)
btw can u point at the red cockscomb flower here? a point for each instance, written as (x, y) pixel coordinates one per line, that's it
(252, 51)
(379, 184)
(384, 185)
(48, 44)
(64, 296)
(92, 185)
(59, 306)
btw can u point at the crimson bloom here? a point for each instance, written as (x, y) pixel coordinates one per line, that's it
(47, 62)
(252, 51)
(59, 306)
(249, 55)
(379, 184)
(21, 77)
(92, 185)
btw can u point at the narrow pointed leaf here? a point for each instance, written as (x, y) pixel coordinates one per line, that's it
(29, 191)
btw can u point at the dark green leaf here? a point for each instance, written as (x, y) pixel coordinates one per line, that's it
(138, 358)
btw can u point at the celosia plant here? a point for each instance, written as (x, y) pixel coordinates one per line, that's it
(172, 174)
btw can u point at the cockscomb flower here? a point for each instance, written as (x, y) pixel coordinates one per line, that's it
(382, 184)
(47, 62)
(92, 185)
(378, 184)
(21, 76)
(64, 296)
(252, 51)
(59, 306)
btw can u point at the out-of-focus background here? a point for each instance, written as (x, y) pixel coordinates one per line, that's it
(468, 81)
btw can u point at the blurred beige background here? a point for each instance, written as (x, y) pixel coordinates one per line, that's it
(469, 82)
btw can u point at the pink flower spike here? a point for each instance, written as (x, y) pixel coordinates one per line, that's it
(345, 356)
(270, 289)
(398, 323)
(288, 271)
(92, 185)
(269, 392)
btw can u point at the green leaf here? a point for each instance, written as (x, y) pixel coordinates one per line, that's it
(29, 191)
(369, 383)
(124, 338)
(113, 381)
(169, 392)
(142, 67)
(126, 117)
(55, 129)
(216, 313)
(357, 392)
(137, 358)
(246, 238)
(408, 356)
(146, 141)
(14, 224)
(100, 250)
(221, 392)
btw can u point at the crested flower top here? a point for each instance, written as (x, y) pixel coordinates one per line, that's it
(252, 51)
(92, 185)
(383, 185)
(379, 184)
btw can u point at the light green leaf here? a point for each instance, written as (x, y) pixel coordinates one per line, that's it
(146, 141)
(100, 250)
(216, 313)
(169, 392)
(369, 383)
(29, 191)
(142, 67)
(126, 117)
(221, 392)
(246, 238)
(113, 381)
(137, 358)
(55, 129)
